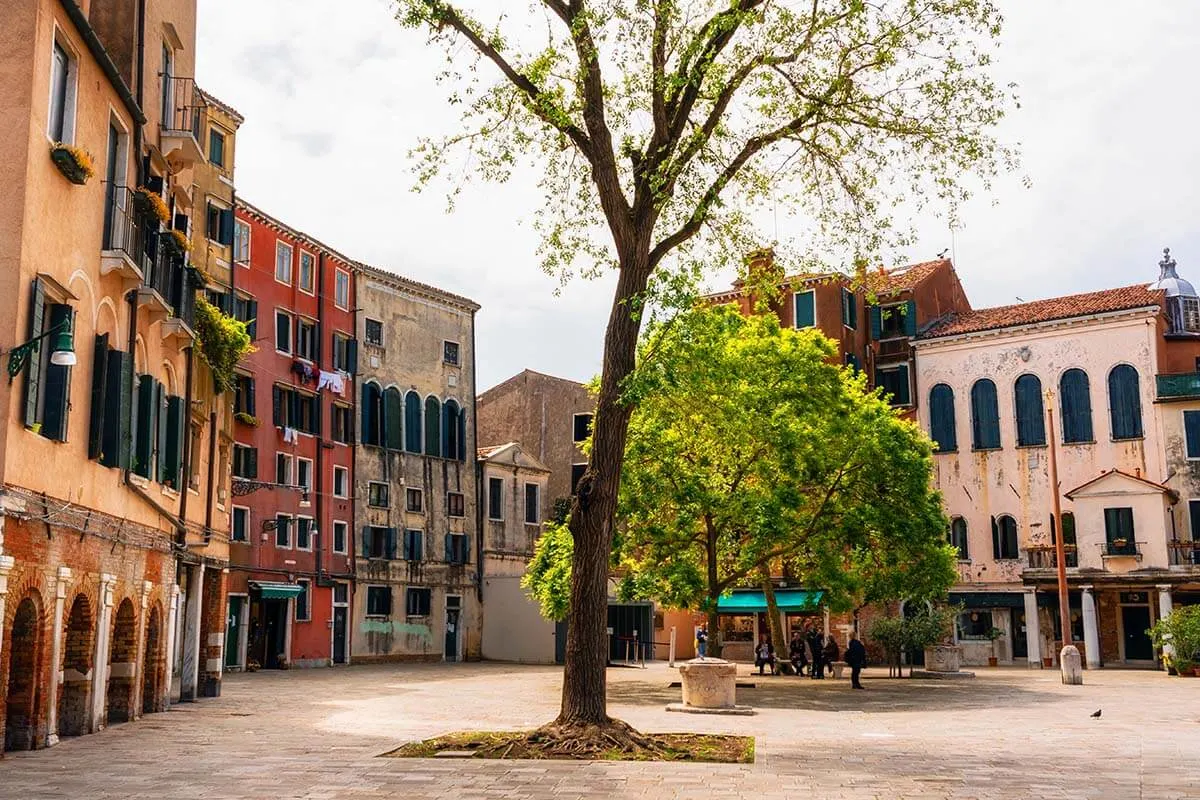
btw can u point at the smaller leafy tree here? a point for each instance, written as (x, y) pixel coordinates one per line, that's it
(1181, 631)
(548, 577)
(912, 634)
(223, 343)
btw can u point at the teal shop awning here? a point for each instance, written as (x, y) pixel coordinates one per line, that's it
(756, 601)
(277, 591)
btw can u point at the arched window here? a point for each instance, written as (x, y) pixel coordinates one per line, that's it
(393, 415)
(958, 538)
(433, 426)
(412, 422)
(1076, 406)
(1031, 418)
(985, 416)
(941, 419)
(372, 414)
(1004, 537)
(1124, 402)
(453, 430)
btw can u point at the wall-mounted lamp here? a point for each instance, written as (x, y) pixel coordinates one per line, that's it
(62, 355)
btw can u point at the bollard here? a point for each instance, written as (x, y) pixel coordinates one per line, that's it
(671, 652)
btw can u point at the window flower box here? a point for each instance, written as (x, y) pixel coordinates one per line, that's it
(151, 205)
(73, 162)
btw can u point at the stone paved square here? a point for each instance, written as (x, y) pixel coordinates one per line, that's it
(318, 734)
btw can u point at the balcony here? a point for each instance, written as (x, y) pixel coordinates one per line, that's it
(1179, 385)
(1184, 553)
(1044, 556)
(121, 250)
(1121, 548)
(182, 111)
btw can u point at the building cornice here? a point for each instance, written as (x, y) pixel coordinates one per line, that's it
(1035, 327)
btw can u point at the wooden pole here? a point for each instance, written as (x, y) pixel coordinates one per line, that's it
(1060, 558)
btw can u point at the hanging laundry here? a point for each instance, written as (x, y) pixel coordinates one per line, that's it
(291, 435)
(334, 380)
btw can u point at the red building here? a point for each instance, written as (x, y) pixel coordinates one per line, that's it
(291, 551)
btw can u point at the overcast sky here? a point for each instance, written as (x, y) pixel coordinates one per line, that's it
(333, 101)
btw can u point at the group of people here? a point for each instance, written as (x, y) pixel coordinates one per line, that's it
(813, 654)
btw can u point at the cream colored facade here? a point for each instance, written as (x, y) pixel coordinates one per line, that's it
(110, 577)
(513, 627)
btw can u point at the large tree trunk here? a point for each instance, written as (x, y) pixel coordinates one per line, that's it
(584, 695)
(777, 637)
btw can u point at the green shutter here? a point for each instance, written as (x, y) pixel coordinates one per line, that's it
(412, 422)
(806, 314)
(143, 446)
(160, 432)
(57, 389)
(910, 318)
(33, 372)
(433, 427)
(99, 386)
(391, 543)
(366, 541)
(116, 444)
(876, 322)
(903, 390)
(175, 433)
(393, 416)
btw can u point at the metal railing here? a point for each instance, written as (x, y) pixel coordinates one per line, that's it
(1044, 556)
(181, 106)
(1184, 553)
(122, 228)
(1180, 384)
(1121, 547)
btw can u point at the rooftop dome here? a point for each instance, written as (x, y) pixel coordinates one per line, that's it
(1168, 281)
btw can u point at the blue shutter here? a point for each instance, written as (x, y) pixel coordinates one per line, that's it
(985, 416)
(391, 543)
(412, 422)
(1031, 426)
(393, 418)
(941, 419)
(805, 309)
(449, 548)
(876, 322)
(903, 388)
(910, 318)
(366, 541)
(1076, 406)
(1191, 430)
(1125, 403)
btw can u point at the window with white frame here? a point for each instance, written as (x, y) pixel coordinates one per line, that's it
(341, 289)
(283, 530)
(304, 467)
(450, 353)
(304, 529)
(306, 339)
(533, 506)
(1191, 433)
(307, 271)
(379, 601)
(303, 606)
(283, 331)
(240, 527)
(241, 242)
(283, 262)
(377, 494)
(341, 481)
(373, 330)
(340, 537)
(64, 76)
(283, 469)
(414, 500)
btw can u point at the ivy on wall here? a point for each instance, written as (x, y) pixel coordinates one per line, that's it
(223, 343)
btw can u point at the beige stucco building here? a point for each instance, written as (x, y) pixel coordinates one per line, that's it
(111, 556)
(986, 379)
(417, 557)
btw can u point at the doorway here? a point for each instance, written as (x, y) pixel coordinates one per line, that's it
(453, 613)
(75, 700)
(21, 702)
(1134, 622)
(233, 630)
(341, 617)
(1020, 643)
(122, 665)
(269, 632)
(152, 664)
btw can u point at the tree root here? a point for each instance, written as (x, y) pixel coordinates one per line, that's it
(585, 740)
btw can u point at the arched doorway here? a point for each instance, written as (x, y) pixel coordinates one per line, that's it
(122, 665)
(77, 670)
(152, 661)
(20, 725)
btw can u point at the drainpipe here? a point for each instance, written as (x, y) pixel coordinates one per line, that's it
(137, 128)
(319, 478)
(478, 474)
(187, 433)
(212, 469)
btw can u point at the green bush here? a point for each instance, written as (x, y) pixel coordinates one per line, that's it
(1181, 630)
(223, 343)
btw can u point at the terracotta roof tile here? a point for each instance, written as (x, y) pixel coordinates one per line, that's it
(909, 277)
(1054, 308)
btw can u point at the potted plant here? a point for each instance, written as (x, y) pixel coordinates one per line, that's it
(151, 205)
(74, 163)
(1120, 543)
(1180, 631)
(247, 419)
(176, 242)
(993, 634)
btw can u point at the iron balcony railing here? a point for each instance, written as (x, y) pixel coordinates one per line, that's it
(1043, 556)
(1184, 553)
(1121, 547)
(157, 267)
(122, 229)
(181, 106)
(1179, 384)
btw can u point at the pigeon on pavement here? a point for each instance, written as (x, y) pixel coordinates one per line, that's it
(1097, 714)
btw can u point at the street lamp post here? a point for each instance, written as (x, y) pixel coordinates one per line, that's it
(1068, 659)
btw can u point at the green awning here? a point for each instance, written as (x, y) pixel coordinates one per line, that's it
(280, 591)
(755, 601)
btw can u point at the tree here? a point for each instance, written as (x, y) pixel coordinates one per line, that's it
(897, 635)
(749, 448)
(664, 125)
(547, 579)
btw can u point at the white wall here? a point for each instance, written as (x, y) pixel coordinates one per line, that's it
(513, 627)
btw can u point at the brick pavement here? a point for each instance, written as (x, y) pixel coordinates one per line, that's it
(317, 734)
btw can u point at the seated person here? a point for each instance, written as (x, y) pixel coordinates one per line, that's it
(764, 655)
(797, 655)
(830, 653)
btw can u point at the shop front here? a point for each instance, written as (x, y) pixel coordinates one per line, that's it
(743, 619)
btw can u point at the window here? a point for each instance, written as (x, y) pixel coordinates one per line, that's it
(341, 289)
(243, 395)
(412, 422)
(454, 431)
(1191, 313)
(283, 469)
(894, 321)
(304, 528)
(245, 461)
(307, 271)
(975, 625)
(455, 504)
(168, 87)
(581, 427)
(433, 426)
(496, 498)
(849, 309)
(216, 147)
(985, 416)
(304, 477)
(63, 76)
(48, 385)
(456, 548)
(283, 331)
(533, 506)
(293, 409)
(377, 494)
(341, 481)
(302, 611)
(1076, 407)
(241, 242)
(1031, 416)
(805, 308)
(894, 382)
(339, 537)
(417, 602)
(577, 471)
(379, 601)
(1004, 537)
(958, 538)
(1118, 531)
(854, 363)
(393, 414)
(306, 339)
(1191, 433)
(941, 419)
(379, 542)
(372, 414)
(374, 332)
(345, 355)
(414, 543)
(341, 427)
(1124, 402)
(283, 530)
(450, 353)
(245, 309)
(283, 263)
(414, 500)
(240, 528)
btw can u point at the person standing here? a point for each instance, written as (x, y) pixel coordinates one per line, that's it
(702, 641)
(815, 646)
(856, 657)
